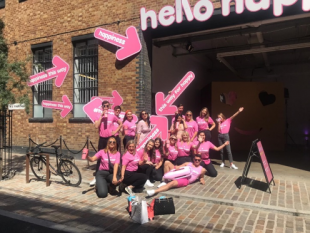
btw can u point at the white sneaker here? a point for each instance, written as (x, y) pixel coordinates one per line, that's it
(150, 192)
(148, 183)
(93, 182)
(222, 165)
(129, 191)
(233, 166)
(161, 184)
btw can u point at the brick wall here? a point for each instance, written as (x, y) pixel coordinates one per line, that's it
(36, 21)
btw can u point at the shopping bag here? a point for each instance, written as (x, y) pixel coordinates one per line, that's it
(139, 212)
(150, 210)
(130, 199)
(164, 206)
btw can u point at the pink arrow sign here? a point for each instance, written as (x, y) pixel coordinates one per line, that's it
(164, 106)
(93, 110)
(115, 100)
(160, 126)
(129, 45)
(65, 106)
(59, 72)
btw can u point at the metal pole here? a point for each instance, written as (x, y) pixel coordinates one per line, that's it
(87, 144)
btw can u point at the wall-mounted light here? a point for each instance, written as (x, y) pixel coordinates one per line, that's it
(189, 47)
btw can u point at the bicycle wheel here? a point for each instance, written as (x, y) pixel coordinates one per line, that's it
(69, 173)
(38, 167)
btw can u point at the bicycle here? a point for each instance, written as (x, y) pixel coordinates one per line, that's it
(68, 171)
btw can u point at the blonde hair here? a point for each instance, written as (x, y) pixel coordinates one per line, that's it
(190, 113)
(206, 118)
(130, 142)
(222, 115)
(185, 133)
(115, 148)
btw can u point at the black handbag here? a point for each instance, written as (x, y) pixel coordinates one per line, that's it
(111, 168)
(164, 206)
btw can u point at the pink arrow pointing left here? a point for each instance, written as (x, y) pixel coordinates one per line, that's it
(129, 45)
(65, 106)
(115, 100)
(160, 126)
(59, 72)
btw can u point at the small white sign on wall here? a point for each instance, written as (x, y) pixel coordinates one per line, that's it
(16, 106)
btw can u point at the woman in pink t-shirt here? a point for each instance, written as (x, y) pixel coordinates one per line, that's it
(203, 147)
(223, 136)
(158, 170)
(130, 163)
(106, 181)
(192, 127)
(184, 149)
(129, 127)
(143, 126)
(197, 173)
(204, 121)
(178, 127)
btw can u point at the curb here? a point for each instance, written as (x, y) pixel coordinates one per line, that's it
(275, 209)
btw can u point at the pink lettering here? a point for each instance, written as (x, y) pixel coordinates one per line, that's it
(209, 9)
(253, 6)
(278, 6)
(145, 15)
(166, 15)
(226, 7)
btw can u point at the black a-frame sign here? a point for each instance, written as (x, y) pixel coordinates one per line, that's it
(258, 152)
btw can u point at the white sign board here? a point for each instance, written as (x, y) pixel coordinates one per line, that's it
(16, 106)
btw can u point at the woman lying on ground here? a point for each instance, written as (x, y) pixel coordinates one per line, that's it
(106, 181)
(197, 172)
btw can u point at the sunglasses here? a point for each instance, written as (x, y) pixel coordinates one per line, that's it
(173, 139)
(112, 142)
(144, 113)
(106, 105)
(188, 114)
(197, 160)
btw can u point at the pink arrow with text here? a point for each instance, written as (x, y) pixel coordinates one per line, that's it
(160, 126)
(129, 45)
(163, 106)
(115, 100)
(65, 105)
(59, 72)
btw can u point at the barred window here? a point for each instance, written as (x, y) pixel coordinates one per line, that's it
(42, 60)
(2, 4)
(85, 77)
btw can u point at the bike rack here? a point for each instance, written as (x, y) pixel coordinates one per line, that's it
(47, 167)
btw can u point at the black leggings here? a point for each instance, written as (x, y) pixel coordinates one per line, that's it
(127, 139)
(184, 159)
(118, 141)
(210, 168)
(147, 170)
(157, 174)
(103, 179)
(135, 179)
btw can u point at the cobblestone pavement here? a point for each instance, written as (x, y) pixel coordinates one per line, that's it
(218, 206)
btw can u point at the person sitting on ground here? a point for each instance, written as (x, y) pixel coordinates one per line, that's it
(158, 170)
(106, 181)
(198, 172)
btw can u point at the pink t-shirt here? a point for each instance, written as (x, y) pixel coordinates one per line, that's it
(157, 158)
(131, 161)
(129, 128)
(173, 153)
(225, 126)
(104, 161)
(106, 125)
(173, 119)
(203, 150)
(115, 126)
(196, 172)
(202, 124)
(141, 154)
(192, 128)
(184, 149)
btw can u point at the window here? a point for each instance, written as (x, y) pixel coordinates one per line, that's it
(85, 76)
(42, 60)
(2, 4)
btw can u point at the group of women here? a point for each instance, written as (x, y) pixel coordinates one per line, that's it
(136, 169)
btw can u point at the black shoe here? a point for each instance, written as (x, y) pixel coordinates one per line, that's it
(121, 187)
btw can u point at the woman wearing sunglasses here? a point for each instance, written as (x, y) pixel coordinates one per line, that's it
(178, 127)
(130, 163)
(158, 170)
(203, 121)
(147, 158)
(129, 127)
(192, 127)
(184, 149)
(105, 125)
(197, 173)
(143, 126)
(105, 180)
(202, 147)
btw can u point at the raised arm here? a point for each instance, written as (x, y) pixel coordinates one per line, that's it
(184, 123)
(240, 110)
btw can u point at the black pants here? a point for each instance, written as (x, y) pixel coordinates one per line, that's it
(222, 139)
(135, 179)
(103, 180)
(208, 135)
(157, 174)
(102, 143)
(184, 159)
(127, 139)
(210, 169)
(147, 170)
(118, 141)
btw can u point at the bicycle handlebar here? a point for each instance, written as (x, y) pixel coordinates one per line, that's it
(37, 149)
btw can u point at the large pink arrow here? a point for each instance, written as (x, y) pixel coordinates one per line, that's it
(160, 126)
(129, 45)
(93, 110)
(59, 72)
(115, 100)
(65, 106)
(163, 106)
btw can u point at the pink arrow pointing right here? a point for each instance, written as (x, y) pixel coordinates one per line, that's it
(160, 126)
(59, 72)
(65, 106)
(115, 100)
(129, 45)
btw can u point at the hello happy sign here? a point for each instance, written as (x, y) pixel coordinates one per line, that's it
(170, 14)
